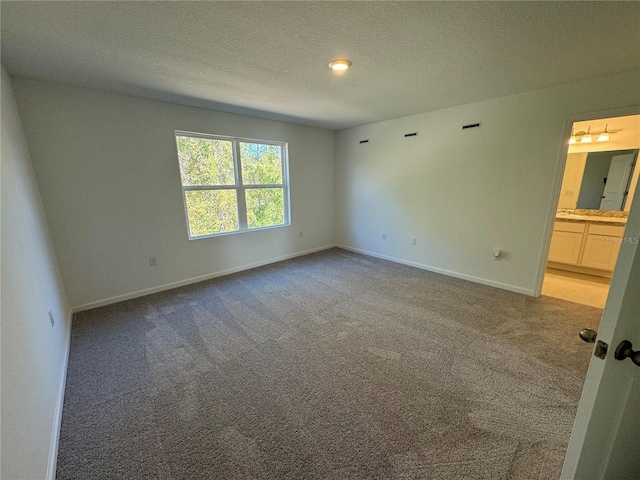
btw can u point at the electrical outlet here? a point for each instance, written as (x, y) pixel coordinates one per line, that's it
(414, 241)
(384, 235)
(153, 261)
(53, 322)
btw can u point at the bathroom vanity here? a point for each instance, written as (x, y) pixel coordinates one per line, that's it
(587, 243)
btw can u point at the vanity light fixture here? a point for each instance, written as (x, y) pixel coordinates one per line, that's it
(587, 137)
(340, 64)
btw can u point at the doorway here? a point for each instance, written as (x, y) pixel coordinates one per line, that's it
(600, 179)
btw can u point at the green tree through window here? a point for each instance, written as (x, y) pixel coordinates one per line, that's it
(232, 184)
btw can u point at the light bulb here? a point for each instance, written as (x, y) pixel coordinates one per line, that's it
(340, 64)
(604, 136)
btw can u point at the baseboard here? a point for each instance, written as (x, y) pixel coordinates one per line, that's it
(578, 269)
(449, 273)
(188, 281)
(57, 417)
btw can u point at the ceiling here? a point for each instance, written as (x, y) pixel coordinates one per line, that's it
(269, 59)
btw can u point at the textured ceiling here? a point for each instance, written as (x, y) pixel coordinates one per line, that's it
(269, 59)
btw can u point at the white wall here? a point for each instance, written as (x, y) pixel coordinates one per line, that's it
(34, 353)
(109, 179)
(466, 193)
(572, 179)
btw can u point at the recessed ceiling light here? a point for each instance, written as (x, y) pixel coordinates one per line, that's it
(340, 64)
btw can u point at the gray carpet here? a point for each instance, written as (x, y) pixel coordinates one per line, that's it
(330, 366)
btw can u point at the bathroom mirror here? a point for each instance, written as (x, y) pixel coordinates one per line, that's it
(599, 180)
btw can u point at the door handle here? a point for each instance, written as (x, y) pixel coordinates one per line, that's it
(625, 350)
(588, 335)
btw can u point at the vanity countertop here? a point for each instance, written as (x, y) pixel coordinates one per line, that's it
(572, 217)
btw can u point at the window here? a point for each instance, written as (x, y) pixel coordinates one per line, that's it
(232, 184)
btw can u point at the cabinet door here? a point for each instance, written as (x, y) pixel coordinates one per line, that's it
(565, 247)
(601, 252)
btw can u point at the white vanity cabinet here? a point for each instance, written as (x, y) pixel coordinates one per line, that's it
(601, 246)
(566, 242)
(586, 247)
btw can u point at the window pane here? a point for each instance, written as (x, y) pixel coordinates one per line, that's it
(261, 164)
(212, 211)
(265, 207)
(205, 161)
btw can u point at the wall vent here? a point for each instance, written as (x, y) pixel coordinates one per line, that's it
(364, 141)
(412, 134)
(471, 125)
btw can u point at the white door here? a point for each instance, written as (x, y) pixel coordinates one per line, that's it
(605, 441)
(617, 182)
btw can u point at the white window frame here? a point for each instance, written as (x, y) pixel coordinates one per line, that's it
(239, 186)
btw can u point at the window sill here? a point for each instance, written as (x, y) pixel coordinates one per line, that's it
(236, 232)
